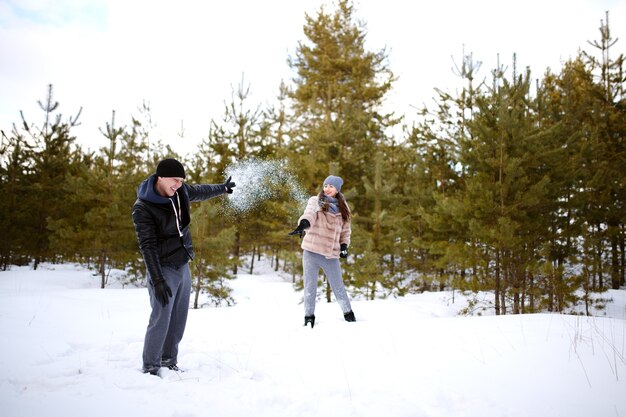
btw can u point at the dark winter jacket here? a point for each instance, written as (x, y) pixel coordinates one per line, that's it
(162, 239)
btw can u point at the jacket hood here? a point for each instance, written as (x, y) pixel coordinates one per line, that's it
(146, 191)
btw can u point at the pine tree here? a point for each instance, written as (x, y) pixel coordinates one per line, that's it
(561, 108)
(238, 137)
(15, 176)
(504, 189)
(213, 243)
(442, 245)
(54, 158)
(373, 272)
(609, 125)
(287, 204)
(337, 94)
(102, 196)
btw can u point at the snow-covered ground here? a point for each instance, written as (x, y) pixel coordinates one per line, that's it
(72, 349)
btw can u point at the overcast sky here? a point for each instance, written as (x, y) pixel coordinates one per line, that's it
(184, 57)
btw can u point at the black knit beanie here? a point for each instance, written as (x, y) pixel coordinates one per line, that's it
(170, 168)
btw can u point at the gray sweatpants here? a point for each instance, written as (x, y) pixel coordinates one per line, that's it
(311, 264)
(167, 324)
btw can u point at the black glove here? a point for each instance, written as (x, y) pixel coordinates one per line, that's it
(229, 185)
(304, 224)
(344, 251)
(162, 292)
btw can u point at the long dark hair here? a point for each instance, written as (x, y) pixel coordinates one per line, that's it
(346, 215)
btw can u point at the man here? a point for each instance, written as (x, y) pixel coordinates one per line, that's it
(161, 218)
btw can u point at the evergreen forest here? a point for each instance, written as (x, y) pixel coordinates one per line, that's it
(513, 185)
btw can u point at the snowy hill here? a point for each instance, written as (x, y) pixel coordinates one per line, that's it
(72, 349)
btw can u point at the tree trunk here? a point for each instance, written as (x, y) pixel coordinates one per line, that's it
(586, 288)
(252, 259)
(560, 295)
(497, 284)
(236, 250)
(103, 259)
(373, 290)
(197, 290)
(442, 280)
(615, 267)
(531, 297)
(623, 256)
(328, 290)
(277, 264)
(598, 260)
(503, 288)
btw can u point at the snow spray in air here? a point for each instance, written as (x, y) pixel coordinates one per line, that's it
(260, 180)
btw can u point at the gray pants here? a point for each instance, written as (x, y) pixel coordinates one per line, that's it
(167, 324)
(311, 264)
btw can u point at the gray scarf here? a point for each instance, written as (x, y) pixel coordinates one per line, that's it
(330, 204)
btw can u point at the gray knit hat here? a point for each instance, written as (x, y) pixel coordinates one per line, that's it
(335, 181)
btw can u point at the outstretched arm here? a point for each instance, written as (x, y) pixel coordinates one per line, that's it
(203, 192)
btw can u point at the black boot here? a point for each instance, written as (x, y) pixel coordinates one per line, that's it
(309, 319)
(349, 316)
(151, 371)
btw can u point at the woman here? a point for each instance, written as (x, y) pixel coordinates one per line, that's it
(326, 220)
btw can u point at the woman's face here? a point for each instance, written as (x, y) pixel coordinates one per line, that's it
(330, 190)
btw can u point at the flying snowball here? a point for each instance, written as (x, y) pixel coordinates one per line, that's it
(260, 180)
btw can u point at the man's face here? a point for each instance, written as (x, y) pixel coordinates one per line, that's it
(167, 186)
